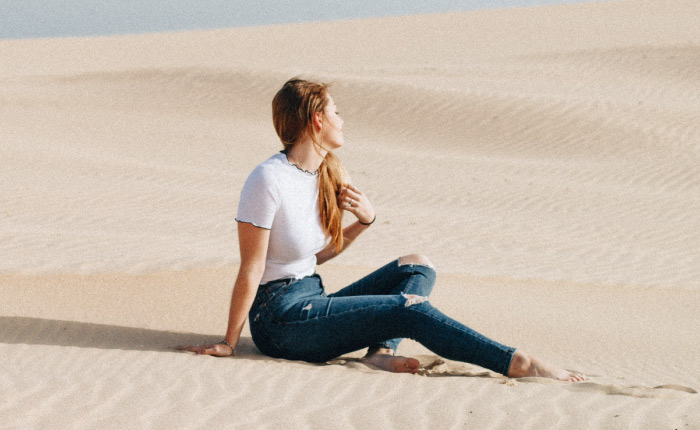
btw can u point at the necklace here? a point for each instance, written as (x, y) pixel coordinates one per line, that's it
(297, 166)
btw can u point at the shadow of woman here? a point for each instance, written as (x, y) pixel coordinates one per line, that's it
(39, 331)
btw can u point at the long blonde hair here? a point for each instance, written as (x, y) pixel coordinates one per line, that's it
(293, 109)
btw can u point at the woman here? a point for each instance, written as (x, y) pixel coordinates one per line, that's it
(290, 219)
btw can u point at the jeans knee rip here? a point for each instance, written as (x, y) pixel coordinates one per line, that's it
(413, 299)
(401, 264)
(414, 265)
(412, 262)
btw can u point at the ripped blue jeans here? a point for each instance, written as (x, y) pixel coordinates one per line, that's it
(297, 320)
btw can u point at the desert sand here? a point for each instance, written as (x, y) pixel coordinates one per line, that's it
(546, 159)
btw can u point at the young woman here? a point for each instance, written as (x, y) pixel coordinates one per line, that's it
(290, 219)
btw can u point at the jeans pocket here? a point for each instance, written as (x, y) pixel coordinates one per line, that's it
(269, 292)
(275, 312)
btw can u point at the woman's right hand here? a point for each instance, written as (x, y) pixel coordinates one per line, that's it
(216, 349)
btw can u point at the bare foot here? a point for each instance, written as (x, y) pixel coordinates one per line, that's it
(386, 360)
(524, 365)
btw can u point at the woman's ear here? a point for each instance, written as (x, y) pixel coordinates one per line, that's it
(318, 121)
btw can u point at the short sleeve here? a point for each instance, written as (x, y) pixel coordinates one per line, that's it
(259, 199)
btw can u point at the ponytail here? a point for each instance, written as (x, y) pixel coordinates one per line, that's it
(331, 177)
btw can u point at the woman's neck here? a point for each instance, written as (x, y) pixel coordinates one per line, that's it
(305, 155)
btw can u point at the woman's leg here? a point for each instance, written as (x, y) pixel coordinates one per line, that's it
(409, 275)
(304, 324)
(397, 277)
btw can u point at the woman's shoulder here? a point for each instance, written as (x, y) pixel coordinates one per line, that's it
(269, 167)
(262, 181)
(273, 161)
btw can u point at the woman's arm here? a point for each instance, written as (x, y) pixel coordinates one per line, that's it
(354, 201)
(253, 242)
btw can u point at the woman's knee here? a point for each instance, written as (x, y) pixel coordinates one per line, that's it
(421, 274)
(415, 259)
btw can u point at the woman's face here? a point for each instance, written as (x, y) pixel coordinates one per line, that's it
(332, 129)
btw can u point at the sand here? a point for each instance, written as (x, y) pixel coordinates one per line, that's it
(544, 158)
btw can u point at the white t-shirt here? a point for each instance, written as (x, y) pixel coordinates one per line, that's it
(282, 198)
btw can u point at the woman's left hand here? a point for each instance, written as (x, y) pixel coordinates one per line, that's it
(215, 349)
(354, 201)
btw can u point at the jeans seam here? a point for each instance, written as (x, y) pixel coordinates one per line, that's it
(447, 323)
(478, 336)
(320, 317)
(282, 289)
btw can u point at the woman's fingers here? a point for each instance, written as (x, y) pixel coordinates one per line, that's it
(353, 200)
(351, 203)
(351, 197)
(197, 349)
(351, 192)
(184, 348)
(216, 349)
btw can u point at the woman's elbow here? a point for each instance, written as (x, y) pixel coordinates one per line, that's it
(324, 256)
(251, 273)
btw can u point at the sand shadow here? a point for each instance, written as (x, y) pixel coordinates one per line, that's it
(39, 331)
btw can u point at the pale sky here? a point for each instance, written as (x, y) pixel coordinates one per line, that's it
(56, 18)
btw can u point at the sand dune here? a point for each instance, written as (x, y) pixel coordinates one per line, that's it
(546, 159)
(115, 374)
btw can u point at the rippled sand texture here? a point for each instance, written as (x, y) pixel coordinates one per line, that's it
(546, 159)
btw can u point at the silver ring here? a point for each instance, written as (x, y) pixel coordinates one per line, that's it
(352, 202)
